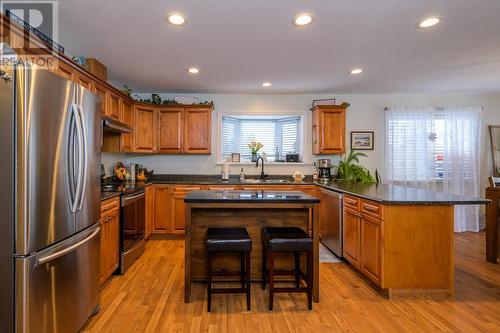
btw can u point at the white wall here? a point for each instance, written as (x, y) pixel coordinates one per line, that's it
(365, 113)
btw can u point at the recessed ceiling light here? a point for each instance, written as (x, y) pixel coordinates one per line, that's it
(356, 71)
(303, 20)
(193, 70)
(266, 84)
(176, 19)
(429, 22)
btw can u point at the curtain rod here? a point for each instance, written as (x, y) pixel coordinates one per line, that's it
(439, 108)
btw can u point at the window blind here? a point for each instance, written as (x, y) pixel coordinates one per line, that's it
(284, 133)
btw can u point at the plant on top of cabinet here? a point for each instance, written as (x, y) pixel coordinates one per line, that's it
(350, 170)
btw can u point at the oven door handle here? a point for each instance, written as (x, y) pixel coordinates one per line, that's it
(129, 199)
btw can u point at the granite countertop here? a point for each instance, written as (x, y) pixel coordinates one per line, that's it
(400, 195)
(383, 193)
(233, 180)
(109, 195)
(256, 197)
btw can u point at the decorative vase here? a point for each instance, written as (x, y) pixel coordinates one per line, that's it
(254, 157)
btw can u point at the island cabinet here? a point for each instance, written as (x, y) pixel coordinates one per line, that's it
(110, 228)
(362, 236)
(328, 130)
(401, 248)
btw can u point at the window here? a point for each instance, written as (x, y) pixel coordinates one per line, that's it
(282, 133)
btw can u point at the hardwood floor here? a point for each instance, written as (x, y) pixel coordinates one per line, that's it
(150, 298)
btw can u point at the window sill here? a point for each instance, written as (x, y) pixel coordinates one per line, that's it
(266, 163)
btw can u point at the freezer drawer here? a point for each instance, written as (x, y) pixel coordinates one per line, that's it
(57, 289)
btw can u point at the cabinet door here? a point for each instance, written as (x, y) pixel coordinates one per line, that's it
(197, 130)
(179, 208)
(150, 207)
(110, 228)
(329, 130)
(66, 71)
(352, 225)
(84, 81)
(162, 214)
(170, 123)
(101, 91)
(371, 248)
(127, 140)
(113, 107)
(146, 129)
(268, 187)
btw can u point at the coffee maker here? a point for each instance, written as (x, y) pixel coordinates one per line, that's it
(324, 167)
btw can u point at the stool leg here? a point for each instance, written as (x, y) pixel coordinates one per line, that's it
(209, 281)
(297, 269)
(247, 264)
(264, 266)
(271, 279)
(309, 278)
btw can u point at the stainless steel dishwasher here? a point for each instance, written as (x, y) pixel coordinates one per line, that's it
(332, 221)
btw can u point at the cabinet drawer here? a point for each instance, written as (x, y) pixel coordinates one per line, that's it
(371, 208)
(351, 202)
(109, 205)
(185, 189)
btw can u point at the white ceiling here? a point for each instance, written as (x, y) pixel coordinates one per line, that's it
(238, 44)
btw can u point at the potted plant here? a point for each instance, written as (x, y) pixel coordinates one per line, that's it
(255, 147)
(349, 170)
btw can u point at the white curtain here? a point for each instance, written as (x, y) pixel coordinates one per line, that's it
(436, 149)
(461, 156)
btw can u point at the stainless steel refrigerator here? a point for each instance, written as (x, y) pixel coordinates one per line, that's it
(50, 139)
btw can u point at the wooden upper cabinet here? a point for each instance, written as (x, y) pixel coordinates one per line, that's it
(146, 129)
(328, 129)
(170, 131)
(197, 130)
(66, 71)
(101, 91)
(84, 81)
(113, 107)
(127, 112)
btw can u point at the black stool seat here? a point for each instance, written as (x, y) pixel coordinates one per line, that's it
(228, 240)
(286, 239)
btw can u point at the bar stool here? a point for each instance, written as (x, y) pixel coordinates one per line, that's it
(286, 240)
(228, 240)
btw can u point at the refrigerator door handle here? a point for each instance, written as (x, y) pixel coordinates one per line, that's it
(84, 160)
(52, 256)
(74, 109)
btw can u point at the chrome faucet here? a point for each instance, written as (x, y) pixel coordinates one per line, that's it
(262, 174)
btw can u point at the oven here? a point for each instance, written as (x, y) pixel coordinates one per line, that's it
(132, 228)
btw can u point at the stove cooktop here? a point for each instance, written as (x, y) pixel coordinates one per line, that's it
(125, 188)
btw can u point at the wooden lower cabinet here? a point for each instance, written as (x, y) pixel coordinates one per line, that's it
(110, 235)
(161, 215)
(178, 221)
(150, 208)
(371, 248)
(352, 226)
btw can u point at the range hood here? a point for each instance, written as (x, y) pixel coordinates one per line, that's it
(111, 125)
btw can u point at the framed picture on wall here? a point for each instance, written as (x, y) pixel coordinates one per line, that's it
(362, 140)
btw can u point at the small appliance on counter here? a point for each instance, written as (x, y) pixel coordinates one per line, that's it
(324, 169)
(292, 158)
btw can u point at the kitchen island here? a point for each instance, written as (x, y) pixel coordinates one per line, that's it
(252, 210)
